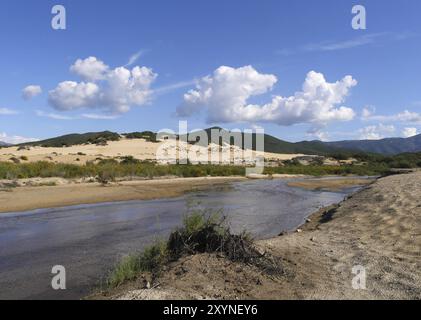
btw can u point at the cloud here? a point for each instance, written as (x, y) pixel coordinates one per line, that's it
(31, 91)
(134, 57)
(224, 97)
(7, 112)
(346, 44)
(92, 116)
(54, 116)
(405, 116)
(96, 116)
(174, 86)
(70, 95)
(15, 139)
(409, 132)
(363, 40)
(318, 134)
(112, 90)
(90, 69)
(376, 132)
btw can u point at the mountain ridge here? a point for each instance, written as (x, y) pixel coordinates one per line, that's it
(388, 146)
(4, 144)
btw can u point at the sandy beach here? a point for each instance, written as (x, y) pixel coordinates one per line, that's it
(378, 228)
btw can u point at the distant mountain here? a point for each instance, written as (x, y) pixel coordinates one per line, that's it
(389, 146)
(4, 144)
(275, 145)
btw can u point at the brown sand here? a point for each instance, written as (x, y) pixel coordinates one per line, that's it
(378, 228)
(28, 198)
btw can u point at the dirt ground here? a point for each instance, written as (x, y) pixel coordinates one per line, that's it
(378, 228)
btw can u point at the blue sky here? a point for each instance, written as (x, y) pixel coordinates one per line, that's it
(182, 41)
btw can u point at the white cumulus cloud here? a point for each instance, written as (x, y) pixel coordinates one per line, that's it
(225, 95)
(376, 132)
(409, 132)
(31, 91)
(90, 69)
(112, 90)
(70, 95)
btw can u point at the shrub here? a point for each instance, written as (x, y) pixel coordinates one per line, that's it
(206, 231)
(129, 160)
(14, 160)
(203, 231)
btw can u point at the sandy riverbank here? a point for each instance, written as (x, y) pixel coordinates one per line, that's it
(29, 198)
(40, 193)
(378, 228)
(330, 184)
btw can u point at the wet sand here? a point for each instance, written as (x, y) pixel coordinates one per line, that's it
(30, 198)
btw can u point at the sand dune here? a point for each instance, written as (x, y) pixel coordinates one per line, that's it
(138, 148)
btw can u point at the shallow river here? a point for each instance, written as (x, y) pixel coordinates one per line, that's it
(89, 239)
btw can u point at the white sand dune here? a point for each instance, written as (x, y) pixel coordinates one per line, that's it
(137, 148)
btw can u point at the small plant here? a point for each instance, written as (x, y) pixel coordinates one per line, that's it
(24, 158)
(150, 260)
(129, 160)
(14, 160)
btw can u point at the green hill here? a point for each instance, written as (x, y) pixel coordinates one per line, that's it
(271, 143)
(76, 139)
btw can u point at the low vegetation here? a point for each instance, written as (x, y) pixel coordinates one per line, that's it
(151, 259)
(203, 231)
(322, 170)
(110, 169)
(147, 135)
